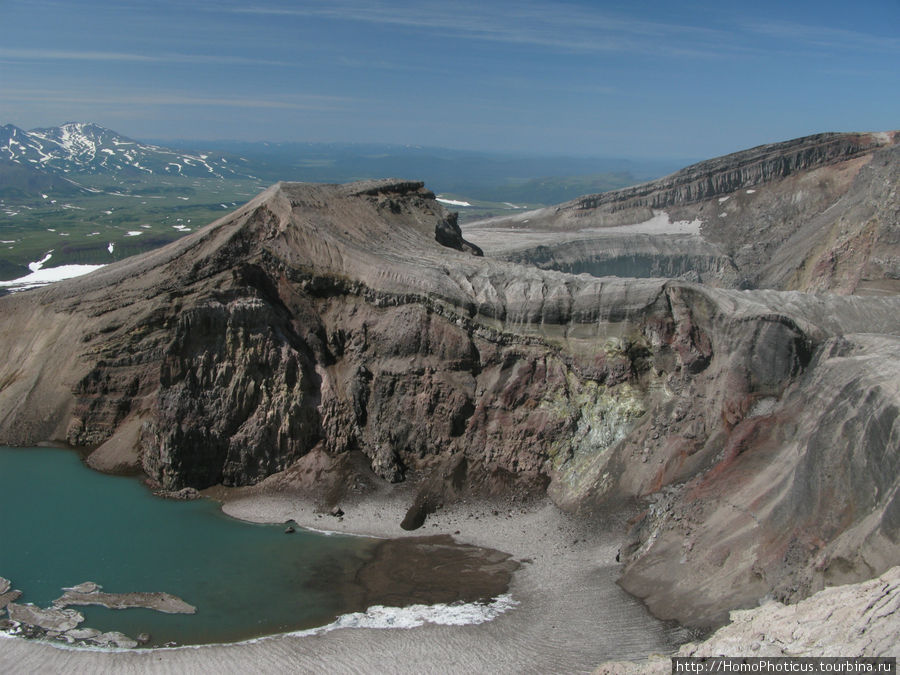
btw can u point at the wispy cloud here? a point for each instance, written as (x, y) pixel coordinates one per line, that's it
(41, 54)
(555, 26)
(26, 53)
(832, 39)
(301, 102)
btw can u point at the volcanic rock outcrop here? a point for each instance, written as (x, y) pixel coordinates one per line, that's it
(754, 434)
(815, 214)
(846, 621)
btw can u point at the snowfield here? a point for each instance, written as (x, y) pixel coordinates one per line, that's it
(452, 202)
(44, 276)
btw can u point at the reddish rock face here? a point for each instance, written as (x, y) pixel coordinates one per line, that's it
(322, 325)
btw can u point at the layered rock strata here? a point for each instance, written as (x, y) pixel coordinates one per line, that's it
(813, 214)
(759, 429)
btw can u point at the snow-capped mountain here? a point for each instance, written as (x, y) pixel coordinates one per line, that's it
(79, 148)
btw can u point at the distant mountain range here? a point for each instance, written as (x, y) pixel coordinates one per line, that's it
(91, 195)
(78, 148)
(82, 149)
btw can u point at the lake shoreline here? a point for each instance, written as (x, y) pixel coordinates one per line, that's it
(568, 614)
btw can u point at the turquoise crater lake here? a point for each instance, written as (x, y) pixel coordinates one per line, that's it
(63, 524)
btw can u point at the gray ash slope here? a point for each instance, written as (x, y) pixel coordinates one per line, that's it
(756, 432)
(814, 214)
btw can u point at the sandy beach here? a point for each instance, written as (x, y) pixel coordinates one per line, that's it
(567, 614)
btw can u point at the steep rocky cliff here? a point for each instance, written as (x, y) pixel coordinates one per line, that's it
(756, 433)
(741, 170)
(815, 214)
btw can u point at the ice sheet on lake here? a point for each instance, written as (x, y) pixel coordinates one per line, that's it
(413, 616)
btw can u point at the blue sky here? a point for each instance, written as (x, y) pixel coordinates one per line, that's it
(687, 79)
